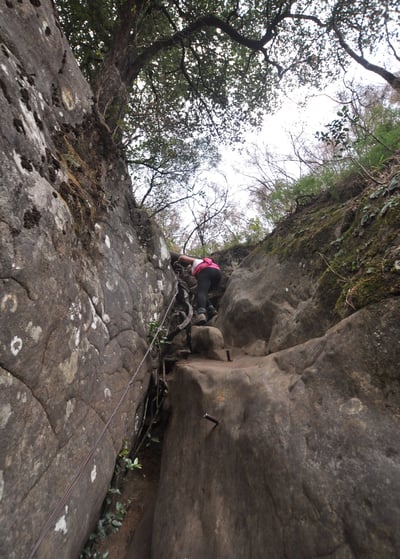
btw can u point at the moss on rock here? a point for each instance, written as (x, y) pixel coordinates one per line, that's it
(353, 244)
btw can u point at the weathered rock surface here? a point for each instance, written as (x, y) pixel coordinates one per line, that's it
(331, 258)
(305, 460)
(82, 272)
(271, 301)
(208, 341)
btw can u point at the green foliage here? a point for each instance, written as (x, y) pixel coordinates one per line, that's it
(132, 464)
(88, 27)
(184, 75)
(361, 139)
(387, 134)
(160, 335)
(88, 553)
(286, 196)
(248, 233)
(337, 133)
(255, 231)
(109, 523)
(370, 134)
(125, 463)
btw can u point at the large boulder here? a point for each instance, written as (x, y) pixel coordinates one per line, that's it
(305, 459)
(272, 301)
(83, 272)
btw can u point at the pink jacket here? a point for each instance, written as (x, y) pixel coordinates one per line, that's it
(205, 263)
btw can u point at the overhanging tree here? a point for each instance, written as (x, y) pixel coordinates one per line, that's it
(216, 56)
(163, 70)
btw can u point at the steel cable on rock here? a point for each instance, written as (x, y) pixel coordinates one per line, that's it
(62, 502)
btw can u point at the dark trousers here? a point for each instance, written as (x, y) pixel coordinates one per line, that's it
(207, 279)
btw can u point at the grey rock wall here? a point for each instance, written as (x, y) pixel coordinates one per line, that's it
(82, 273)
(273, 301)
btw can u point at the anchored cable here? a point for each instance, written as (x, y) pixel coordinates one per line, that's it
(62, 502)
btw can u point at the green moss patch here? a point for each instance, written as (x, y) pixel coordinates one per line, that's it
(354, 245)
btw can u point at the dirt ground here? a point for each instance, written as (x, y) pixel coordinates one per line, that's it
(138, 491)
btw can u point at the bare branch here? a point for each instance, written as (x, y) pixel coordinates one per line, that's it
(392, 79)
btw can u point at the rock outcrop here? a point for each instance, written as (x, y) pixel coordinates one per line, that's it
(330, 259)
(83, 272)
(305, 459)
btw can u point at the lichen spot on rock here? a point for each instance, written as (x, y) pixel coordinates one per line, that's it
(21, 396)
(95, 318)
(1, 484)
(164, 250)
(69, 367)
(107, 241)
(352, 406)
(18, 163)
(77, 336)
(44, 28)
(111, 284)
(34, 332)
(93, 474)
(16, 345)
(5, 413)
(75, 311)
(69, 409)
(6, 380)
(5, 69)
(67, 98)
(61, 524)
(107, 393)
(9, 303)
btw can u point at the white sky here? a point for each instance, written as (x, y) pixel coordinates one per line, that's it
(319, 110)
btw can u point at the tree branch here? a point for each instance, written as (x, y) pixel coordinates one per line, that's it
(392, 79)
(204, 22)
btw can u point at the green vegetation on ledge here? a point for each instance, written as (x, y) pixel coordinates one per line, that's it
(352, 245)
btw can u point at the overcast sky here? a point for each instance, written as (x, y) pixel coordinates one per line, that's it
(319, 109)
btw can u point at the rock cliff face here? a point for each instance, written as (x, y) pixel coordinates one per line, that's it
(305, 459)
(330, 259)
(82, 272)
(302, 459)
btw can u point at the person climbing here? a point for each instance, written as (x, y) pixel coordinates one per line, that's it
(208, 276)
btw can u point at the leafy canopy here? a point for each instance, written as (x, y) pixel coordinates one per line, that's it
(173, 78)
(209, 67)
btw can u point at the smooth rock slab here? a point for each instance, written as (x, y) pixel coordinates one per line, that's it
(305, 460)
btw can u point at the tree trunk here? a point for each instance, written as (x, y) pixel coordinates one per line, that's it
(111, 86)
